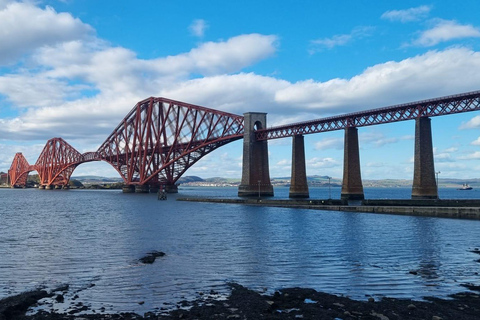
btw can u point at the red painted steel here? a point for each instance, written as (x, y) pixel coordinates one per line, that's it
(464, 102)
(161, 138)
(56, 163)
(155, 144)
(19, 170)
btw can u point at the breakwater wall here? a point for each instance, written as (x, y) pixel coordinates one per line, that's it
(459, 209)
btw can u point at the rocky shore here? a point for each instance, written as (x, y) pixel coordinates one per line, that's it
(293, 303)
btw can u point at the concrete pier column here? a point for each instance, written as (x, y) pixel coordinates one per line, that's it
(424, 184)
(171, 188)
(255, 169)
(142, 188)
(128, 188)
(352, 187)
(298, 184)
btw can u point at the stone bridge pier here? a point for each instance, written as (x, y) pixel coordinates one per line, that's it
(352, 187)
(424, 184)
(255, 170)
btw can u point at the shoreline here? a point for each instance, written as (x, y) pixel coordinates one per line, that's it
(458, 209)
(289, 303)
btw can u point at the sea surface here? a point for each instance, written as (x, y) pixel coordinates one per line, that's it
(92, 240)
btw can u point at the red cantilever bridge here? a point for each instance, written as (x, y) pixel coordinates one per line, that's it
(154, 145)
(160, 139)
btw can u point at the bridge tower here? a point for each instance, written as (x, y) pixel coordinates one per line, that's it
(298, 185)
(255, 169)
(352, 187)
(424, 184)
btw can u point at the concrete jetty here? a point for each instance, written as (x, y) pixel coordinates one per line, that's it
(459, 209)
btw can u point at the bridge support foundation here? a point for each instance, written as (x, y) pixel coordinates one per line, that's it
(171, 188)
(255, 169)
(142, 188)
(128, 188)
(298, 184)
(352, 187)
(154, 188)
(424, 184)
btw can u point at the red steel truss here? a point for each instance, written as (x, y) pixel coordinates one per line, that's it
(57, 162)
(19, 170)
(155, 144)
(161, 138)
(464, 102)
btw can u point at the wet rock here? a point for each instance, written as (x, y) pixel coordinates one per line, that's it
(476, 250)
(59, 298)
(151, 257)
(379, 316)
(147, 259)
(471, 286)
(411, 307)
(14, 307)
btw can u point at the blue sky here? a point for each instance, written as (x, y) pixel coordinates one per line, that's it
(74, 68)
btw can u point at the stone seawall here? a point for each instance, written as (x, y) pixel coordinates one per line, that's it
(458, 209)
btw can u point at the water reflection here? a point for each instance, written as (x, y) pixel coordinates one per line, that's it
(94, 237)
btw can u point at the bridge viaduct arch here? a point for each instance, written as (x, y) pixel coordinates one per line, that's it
(424, 183)
(160, 139)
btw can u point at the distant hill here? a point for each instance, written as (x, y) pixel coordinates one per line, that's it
(315, 180)
(188, 179)
(96, 179)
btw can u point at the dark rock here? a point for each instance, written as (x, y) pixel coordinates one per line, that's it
(59, 298)
(147, 259)
(151, 256)
(471, 286)
(14, 307)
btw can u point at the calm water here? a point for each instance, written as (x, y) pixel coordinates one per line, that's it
(92, 240)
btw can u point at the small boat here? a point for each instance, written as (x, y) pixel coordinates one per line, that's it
(465, 187)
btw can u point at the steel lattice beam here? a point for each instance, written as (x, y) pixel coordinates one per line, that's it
(161, 138)
(18, 172)
(56, 163)
(427, 108)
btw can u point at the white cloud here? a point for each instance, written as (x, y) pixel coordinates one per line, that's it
(323, 163)
(198, 27)
(443, 157)
(446, 30)
(329, 143)
(26, 27)
(472, 156)
(94, 81)
(471, 124)
(433, 74)
(407, 15)
(237, 93)
(476, 142)
(341, 39)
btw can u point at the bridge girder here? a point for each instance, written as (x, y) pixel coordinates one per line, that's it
(459, 103)
(18, 172)
(161, 138)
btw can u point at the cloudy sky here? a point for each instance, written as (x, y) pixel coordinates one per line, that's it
(74, 68)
